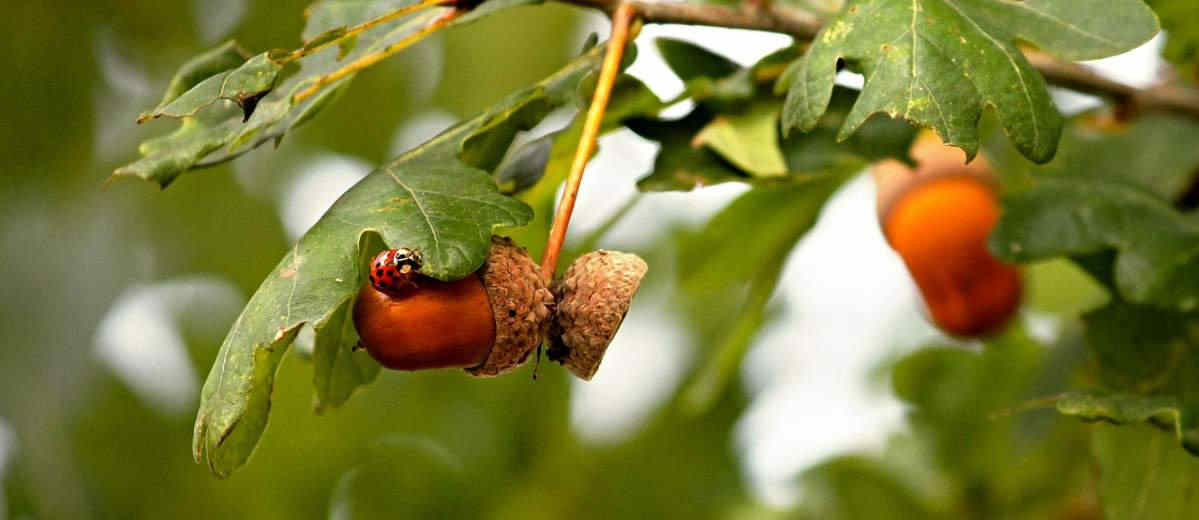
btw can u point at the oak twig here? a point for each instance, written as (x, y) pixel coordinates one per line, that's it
(370, 59)
(804, 25)
(356, 30)
(622, 19)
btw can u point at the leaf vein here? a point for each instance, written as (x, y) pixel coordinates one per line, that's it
(1036, 130)
(421, 208)
(1074, 28)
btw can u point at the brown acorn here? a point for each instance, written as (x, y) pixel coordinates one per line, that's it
(487, 322)
(593, 297)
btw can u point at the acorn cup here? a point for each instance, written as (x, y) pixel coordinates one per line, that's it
(937, 217)
(593, 297)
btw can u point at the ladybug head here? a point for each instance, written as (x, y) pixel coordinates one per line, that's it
(393, 270)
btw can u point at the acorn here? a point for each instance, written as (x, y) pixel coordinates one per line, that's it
(486, 323)
(593, 297)
(937, 217)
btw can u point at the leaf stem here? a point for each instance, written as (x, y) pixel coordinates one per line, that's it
(370, 59)
(363, 27)
(622, 19)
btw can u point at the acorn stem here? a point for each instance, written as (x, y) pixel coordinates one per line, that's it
(622, 19)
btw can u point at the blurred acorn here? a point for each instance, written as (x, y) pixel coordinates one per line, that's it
(937, 217)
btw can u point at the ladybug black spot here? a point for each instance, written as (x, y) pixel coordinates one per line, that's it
(511, 313)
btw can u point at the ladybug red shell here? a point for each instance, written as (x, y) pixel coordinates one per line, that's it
(392, 270)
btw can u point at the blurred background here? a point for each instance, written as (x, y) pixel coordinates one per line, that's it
(116, 298)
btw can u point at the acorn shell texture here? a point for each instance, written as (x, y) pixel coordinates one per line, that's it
(520, 302)
(593, 297)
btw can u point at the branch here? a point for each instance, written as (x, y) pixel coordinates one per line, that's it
(773, 18)
(370, 59)
(1162, 98)
(804, 26)
(623, 30)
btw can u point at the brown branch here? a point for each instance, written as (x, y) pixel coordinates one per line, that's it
(1163, 97)
(623, 30)
(773, 18)
(804, 26)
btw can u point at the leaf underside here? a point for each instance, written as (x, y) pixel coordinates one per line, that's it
(227, 105)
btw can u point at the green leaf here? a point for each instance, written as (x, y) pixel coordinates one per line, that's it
(1074, 29)
(401, 476)
(730, 274)
(748, 139)
(1158, 247)
(1147, 363)
(938, 63)
(526, 165)
(819, 150)
(1136, 347)
(225, 57)
(689, 61)
(427, 199)
(679, 165)
(1108, 190)
(337, 370)
(1143, 475)
(953, 393)
(630, 98)
(1155, 152)
(991, 396)
(856, 487)
(718, 82)
(737, 118)
(682, 165)
(1180, 19)
(242, 104)
(1062, 288)
(1121, 409)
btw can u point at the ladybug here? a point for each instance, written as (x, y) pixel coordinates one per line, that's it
(392, 271)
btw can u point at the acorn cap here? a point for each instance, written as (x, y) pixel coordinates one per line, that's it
(520, 303)
(593, 297)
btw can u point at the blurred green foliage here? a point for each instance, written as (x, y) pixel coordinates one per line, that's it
(982, 440)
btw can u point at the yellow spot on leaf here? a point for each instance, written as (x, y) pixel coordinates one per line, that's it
(837, 31)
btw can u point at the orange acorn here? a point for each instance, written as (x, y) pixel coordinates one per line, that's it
(487, 322)
(937, 218)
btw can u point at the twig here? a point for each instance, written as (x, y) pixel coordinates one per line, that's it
(804, 26)
(308, 48)
(622, 19)
(773, 18)
(1163, 98)
(375, 57)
